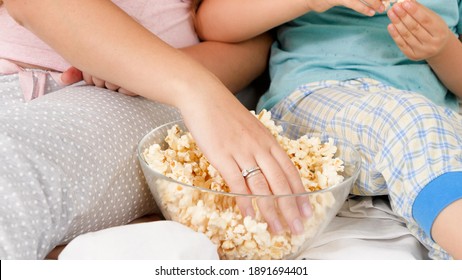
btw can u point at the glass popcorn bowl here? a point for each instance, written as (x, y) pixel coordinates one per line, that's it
(213, 211)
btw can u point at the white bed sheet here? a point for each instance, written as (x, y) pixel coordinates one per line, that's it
(365, 228)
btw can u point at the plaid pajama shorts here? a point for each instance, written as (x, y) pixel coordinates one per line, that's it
(409, 146)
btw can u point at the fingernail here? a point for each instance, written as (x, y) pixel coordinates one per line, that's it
(277, 226)
(406, 5)
(398, 9)
(306, 210)
(298, 226)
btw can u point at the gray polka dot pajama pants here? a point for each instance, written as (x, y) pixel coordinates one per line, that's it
(68, 164)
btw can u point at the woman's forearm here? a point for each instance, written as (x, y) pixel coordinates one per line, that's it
(100, 39)
(239, 20)
(235, 64)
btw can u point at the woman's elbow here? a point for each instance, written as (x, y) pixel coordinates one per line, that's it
(210, 28)
(219, 33)
(208, 32)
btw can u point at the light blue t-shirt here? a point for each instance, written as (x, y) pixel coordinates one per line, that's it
(341, 44)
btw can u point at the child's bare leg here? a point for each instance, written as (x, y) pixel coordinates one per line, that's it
(447, 229)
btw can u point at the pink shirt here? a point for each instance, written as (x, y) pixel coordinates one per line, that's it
(168, 19)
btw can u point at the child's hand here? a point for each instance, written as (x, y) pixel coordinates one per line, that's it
(366, 7)
(74, 75)
(419, 32)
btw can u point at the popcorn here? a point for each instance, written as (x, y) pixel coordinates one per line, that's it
(388, 3)
(218, 216)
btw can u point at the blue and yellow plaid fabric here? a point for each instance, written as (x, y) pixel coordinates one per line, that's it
(404, 139)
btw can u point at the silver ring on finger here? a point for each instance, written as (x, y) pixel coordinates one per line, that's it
(247, 173)
(365, 3)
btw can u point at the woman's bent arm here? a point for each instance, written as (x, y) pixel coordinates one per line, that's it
(100, 39)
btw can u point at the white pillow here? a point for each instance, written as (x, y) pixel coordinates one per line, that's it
(160, 240)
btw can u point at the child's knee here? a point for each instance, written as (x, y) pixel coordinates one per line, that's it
(437, 209)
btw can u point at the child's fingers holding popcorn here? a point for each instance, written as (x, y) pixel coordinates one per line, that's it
(366, 7)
